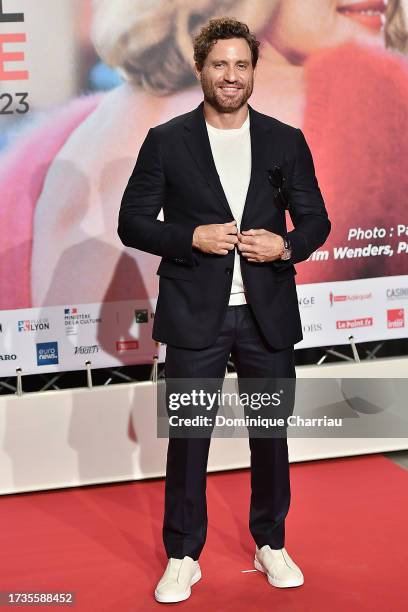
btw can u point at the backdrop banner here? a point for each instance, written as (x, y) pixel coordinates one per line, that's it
(76, 102)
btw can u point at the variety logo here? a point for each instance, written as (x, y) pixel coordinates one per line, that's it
(47, 353)
(141, 316)
(126, 345)
(73, 319)
(397, 293)
(356, 297)
(307, 301)
(395, 318)
(8, 357)
(89, 349)
(352, 323)
(310, 328)
(33, 325)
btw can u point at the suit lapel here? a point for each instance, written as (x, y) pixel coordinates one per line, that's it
(198, 143)
(257, 128)
(196, 138)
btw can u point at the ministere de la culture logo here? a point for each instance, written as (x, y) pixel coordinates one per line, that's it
(74, 319)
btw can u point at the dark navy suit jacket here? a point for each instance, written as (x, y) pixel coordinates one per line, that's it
(175, 171)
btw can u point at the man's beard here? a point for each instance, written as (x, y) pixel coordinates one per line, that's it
(225, 104)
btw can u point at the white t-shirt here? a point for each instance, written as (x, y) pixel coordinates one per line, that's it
(231, 151)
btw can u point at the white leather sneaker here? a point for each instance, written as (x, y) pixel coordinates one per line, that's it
(177, 580)
(281, 570)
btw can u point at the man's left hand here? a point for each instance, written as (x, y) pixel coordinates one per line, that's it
(260, 245)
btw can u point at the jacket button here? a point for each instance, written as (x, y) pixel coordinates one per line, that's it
(228, 271)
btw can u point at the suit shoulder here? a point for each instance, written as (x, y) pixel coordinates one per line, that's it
(172, 124)
(284, 128)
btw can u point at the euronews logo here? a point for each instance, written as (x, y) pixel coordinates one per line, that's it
(47, 353)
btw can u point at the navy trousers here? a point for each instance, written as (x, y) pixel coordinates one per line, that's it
(185, 512)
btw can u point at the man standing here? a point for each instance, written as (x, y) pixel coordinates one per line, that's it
(226, 279)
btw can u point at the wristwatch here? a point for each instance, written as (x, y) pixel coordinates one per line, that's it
(287, 249)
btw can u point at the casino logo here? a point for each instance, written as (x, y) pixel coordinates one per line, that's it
(395, 318)
(397, 293)
(47, 353)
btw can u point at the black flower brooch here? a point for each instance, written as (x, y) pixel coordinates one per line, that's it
(278, 181)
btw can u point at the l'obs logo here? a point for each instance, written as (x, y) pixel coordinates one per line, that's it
(310, 328)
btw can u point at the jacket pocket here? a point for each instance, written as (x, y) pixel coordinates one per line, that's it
(175, 270)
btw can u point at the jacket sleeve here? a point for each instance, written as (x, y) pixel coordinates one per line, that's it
(306, 206)
(141, 203)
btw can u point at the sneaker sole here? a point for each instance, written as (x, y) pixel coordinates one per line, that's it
(281, 584)
(183, 596)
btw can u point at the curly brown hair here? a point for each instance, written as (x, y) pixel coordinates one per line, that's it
(222, 28)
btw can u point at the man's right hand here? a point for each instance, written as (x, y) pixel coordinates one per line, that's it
(216, 238)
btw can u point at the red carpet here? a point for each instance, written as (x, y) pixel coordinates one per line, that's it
(347, 529)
